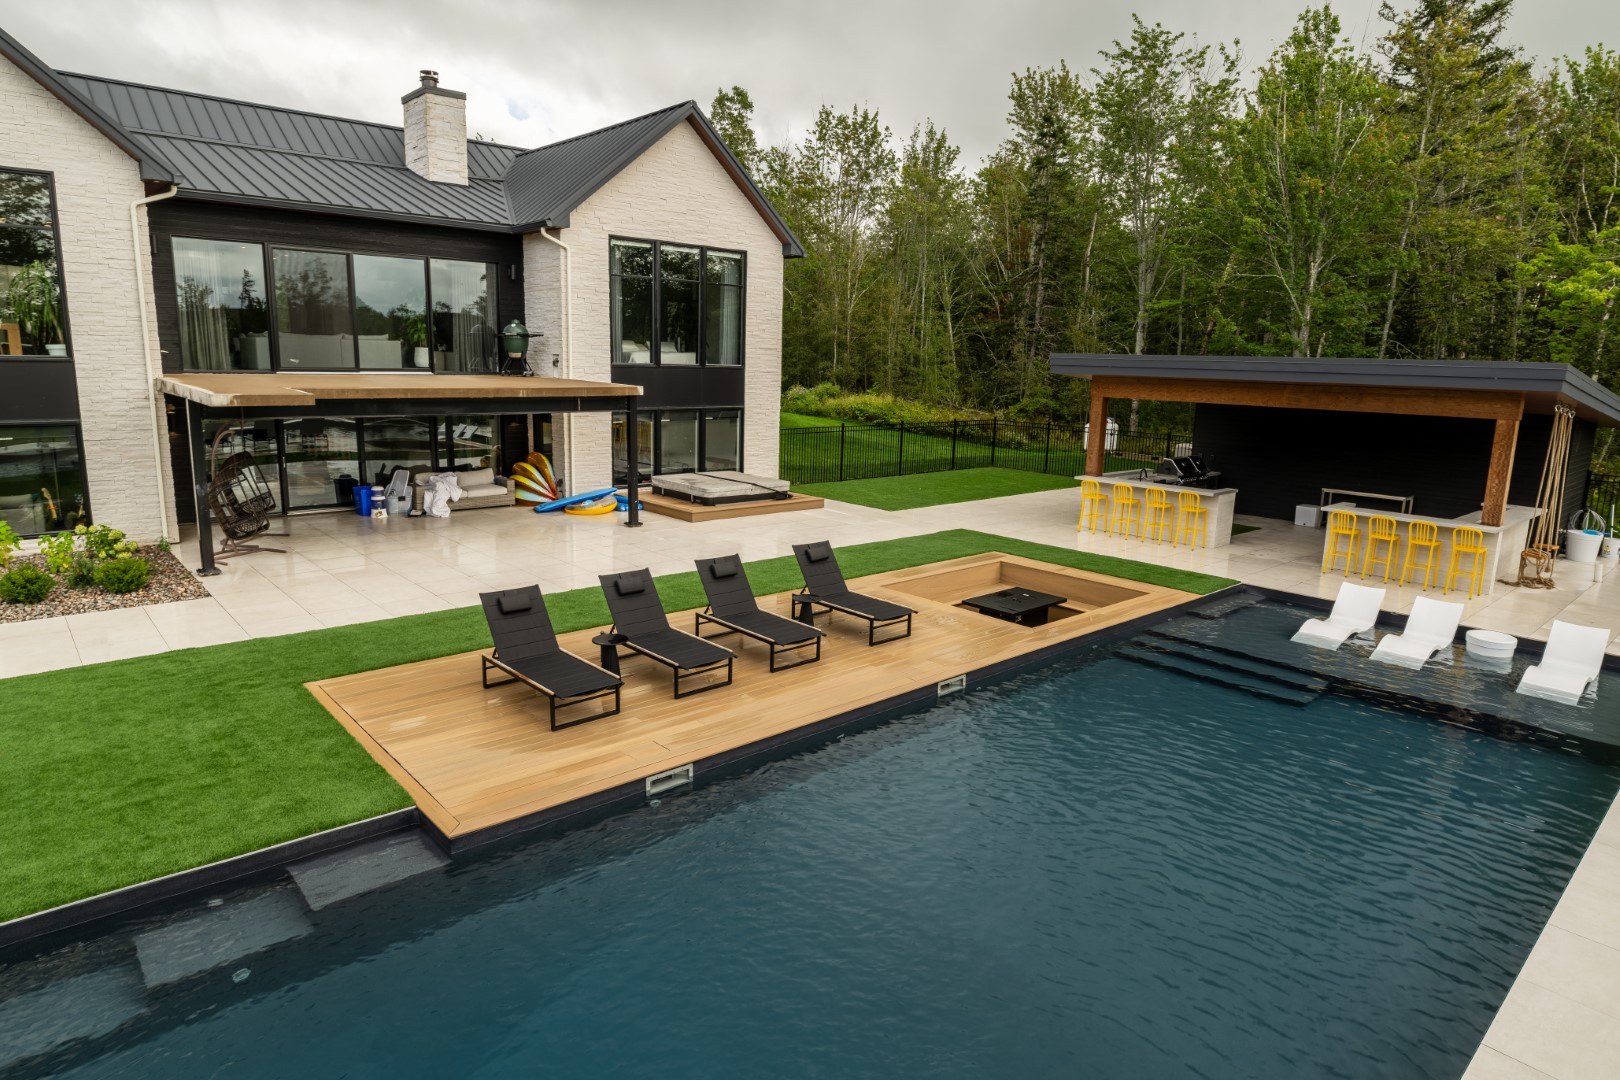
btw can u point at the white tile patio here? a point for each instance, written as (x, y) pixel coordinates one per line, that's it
(340, 569)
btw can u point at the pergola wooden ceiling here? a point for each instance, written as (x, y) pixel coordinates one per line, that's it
(1500, 393)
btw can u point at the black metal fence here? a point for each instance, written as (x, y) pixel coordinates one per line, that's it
(865, 451)
(1603, 492)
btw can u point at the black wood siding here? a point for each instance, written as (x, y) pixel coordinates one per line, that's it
(1280, 458)
(178, 217)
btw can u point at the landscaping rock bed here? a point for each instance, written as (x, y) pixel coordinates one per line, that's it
(170, 581)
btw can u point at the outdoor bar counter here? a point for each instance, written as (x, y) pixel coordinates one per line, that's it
(1503, 542)
(1220, 502)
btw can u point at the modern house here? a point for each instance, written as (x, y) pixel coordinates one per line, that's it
(181, 274)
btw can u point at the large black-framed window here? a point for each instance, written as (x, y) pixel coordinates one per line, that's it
(680, 440)
(250, 306)
(42, 484)
(33, 308)
(221, 300)
(675, 305)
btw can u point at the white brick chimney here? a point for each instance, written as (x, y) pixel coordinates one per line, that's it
(436, 131)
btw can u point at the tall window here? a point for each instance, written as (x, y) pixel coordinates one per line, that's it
(722, 307)
(390, 311)
(464, 330)
(675, 305)
(31, 317)
(41, 478)
(630, 266)
(224, 325)
(314, 318)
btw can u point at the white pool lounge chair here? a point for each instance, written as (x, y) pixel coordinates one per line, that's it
(1569, 664)
(1431, 627)
(1355, 610)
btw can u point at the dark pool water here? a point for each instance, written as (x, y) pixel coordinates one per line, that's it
(1096, 870)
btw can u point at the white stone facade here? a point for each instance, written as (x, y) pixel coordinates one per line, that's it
(95, 183)
(676, 192)
(436, 135)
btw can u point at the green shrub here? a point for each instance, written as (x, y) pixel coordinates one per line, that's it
(9, 542)
(26, 584)
(882, 409)
(123, 575)
(81, 572)
(58, 551)
(101, 542)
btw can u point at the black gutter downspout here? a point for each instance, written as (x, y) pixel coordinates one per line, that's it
(632, 453)
(199, 491)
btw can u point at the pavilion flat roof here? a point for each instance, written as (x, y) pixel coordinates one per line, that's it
(292, 389)
(1541, 385)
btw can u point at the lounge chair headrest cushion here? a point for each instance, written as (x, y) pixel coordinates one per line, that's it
(630, 584)
(818, 552)
(727, 566)
(514, 601)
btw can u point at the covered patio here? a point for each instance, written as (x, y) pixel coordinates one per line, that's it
(1446, 443)
(209, 399)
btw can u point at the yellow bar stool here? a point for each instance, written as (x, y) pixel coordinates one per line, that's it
(1127, 511)
(1341, 527)
(1425, 536)
(1157, 519)
(1386, 531)
(1192, 519)
(1470, 542)
(1092, 505)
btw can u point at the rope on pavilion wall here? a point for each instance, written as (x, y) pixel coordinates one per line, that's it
(1536, 562)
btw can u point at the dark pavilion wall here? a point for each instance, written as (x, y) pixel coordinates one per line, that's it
(1279, 458)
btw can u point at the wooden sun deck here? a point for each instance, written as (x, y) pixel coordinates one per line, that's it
(474, 759)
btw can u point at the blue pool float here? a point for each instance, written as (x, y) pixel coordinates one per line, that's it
(558, 504)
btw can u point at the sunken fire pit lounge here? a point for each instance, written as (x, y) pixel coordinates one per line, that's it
(1463, 443)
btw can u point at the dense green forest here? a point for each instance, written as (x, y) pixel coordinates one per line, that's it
(1437, 194)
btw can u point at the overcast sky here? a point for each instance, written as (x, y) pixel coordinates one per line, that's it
(537, 71)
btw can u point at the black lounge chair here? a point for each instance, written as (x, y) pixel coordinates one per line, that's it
(639, 622)
(732, 605)
(824, 587)
(526, 649)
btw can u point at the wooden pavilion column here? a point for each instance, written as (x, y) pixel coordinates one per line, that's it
(1097, 436)
(1503, 446)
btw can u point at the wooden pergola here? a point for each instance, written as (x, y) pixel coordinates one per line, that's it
(1480, 390)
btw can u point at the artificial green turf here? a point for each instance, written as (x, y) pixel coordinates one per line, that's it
(932, 489)
(1239, 530)
(120, 772)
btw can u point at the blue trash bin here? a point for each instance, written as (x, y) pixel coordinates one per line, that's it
(362, 500)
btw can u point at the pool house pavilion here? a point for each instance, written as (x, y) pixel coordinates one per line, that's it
(1452, 450)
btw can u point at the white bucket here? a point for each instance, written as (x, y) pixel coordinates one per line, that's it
(1610, 551)
(1581, 546)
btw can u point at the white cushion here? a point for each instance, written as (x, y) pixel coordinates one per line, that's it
(482, 491)
(473, 478)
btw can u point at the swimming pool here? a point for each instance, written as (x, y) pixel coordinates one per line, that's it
(1095, 869)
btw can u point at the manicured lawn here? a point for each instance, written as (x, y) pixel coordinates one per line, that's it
(1239, 530)
(121, 772)
(932, 489)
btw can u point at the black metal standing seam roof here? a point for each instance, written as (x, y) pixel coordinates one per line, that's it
(238, 151)
(1542, 380)
(152, 165)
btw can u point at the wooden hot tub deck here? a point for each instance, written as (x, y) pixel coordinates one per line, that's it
(477, 759)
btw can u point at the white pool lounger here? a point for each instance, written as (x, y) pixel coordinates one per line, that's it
(1431, 627)
(1355, 610)
(1570, 663)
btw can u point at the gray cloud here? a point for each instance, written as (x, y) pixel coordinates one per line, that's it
(536, 72)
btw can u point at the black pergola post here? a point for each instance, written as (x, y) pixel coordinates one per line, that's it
(199, 490)
(632, 454)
